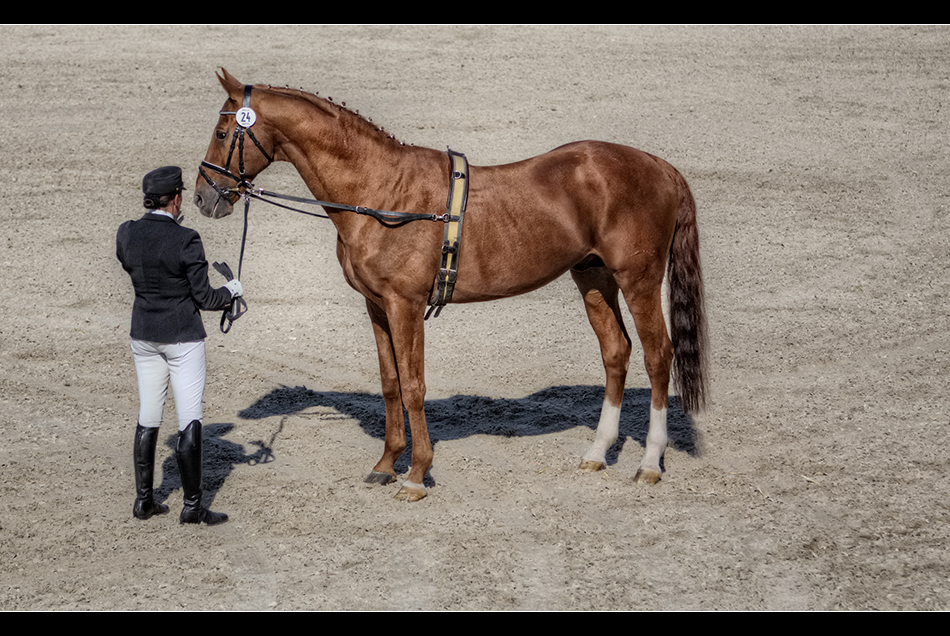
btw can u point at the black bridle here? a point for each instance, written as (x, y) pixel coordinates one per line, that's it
(238, 305)
(248, 117)
(237, 138)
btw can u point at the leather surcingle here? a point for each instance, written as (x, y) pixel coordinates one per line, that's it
(452, 238)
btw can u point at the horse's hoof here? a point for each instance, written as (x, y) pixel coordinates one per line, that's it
(647, 476)
(379, 478)
(411, 493)
(589, 466)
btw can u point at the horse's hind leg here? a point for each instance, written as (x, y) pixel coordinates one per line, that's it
(643, 297)
(601, 300)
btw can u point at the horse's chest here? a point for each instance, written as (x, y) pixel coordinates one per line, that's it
(344, 255)
(358, 271)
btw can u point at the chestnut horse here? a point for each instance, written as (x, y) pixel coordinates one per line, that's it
(615, 217)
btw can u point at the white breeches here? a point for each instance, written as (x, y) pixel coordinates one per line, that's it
(184, 366)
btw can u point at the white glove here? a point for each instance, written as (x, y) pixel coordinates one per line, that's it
(234, 286)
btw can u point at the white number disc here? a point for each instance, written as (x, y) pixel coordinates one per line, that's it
(246, 117)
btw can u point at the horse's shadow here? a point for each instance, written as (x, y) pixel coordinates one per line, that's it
(549, 411)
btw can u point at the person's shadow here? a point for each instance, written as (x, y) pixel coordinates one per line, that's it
(219, 457)
(548, 411)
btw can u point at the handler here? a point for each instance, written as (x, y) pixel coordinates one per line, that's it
(170, 276)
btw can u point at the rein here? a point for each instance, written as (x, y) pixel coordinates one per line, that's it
(387, 218)
(245, 117)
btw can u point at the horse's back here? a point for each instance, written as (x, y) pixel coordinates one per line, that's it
(530, 221)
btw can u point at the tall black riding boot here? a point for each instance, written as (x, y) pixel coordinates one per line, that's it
(143, 458)
(189, 465)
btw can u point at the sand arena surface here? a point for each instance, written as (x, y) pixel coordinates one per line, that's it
(817, 478)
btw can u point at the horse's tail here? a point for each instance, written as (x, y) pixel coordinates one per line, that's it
(687, 305)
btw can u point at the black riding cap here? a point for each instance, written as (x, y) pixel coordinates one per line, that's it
(166, 180)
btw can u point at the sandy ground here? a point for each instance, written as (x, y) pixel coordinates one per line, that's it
(816, 479)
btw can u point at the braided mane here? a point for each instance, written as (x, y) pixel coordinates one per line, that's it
(327, 104)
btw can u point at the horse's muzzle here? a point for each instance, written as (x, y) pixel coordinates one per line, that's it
(210, 203)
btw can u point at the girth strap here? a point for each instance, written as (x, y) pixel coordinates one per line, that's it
(452, 238)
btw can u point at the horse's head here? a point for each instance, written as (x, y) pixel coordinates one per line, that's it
(241, 147)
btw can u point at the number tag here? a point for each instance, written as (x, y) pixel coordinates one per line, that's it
(246, 117)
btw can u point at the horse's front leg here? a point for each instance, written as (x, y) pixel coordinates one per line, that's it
(400, 338)
(407, 329)
(384, 472)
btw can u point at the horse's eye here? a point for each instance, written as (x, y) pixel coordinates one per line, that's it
(221, 135)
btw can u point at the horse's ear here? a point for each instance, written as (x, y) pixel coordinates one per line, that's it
(230, 84)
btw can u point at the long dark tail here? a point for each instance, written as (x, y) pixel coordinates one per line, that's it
(687, 306)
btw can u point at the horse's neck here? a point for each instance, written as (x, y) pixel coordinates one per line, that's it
(344, 160)
(320, 155)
